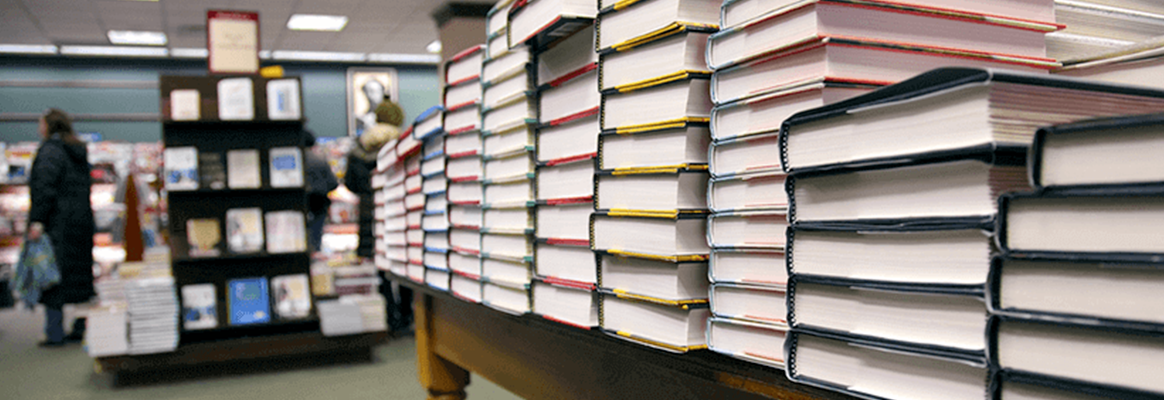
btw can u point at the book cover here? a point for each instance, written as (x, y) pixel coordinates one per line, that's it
(292, 299)
(211, 170)
(236, 99)
(283, 99)
(249, 302)
(286, 167)
(203, 236)
(199, 307)
(181, 168)
(286, 232)
(244, 230)
(185, 105)
(243, 169)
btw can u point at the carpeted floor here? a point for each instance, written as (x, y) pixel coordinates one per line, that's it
(28, 372)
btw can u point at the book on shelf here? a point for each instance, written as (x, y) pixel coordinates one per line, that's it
(908, 24)
(675, 282)
(466, 263)
(677, 188)
(462, 145)
(567, 223)
(436, 240)
(1134, 64)
(211, 170)
(1108, 153)
(185, 105)
(283, 102)
(932, 319)
(663, 105)
(623, 24)
(437, 202)
(244, 230)
(496, 47)
(433, 164)
(758, 154)
(292, 298)
(676, 237)
(199, 307)
(437, 279)
(683, 143)
(757, 192)
(434, 185)
(565, 262)
(891, 115)
(509, 88)
(753, 229)
(547, 19)
(514, 139)
(248, 301)
(465, 287)
(509, 117)
(497, 19)
(414, 183)
(416, 269)
(568, 141)
(567, 303)
(429, 123)
(514, 193)
(1118, 225)
(869, 370)
(1094, 27)
(749, 341)
(517, 166)
(567, 57)
(510, 220)
(563, 183)
(465, 169)
(506, 297)
(236, 99)
(465, 217)
(569, 99)
(203, 236)
(669, 327)
(749, 302)
(286, 167)
(1011, 385)
(763, 112)
(673, 54)
(465, 193)
(462, 96)
(464, 66)
(181, 168)
(747, 266)
(950, 256)
(285, 232)
(512, 247)
(465, 241)
(462, 121)
(1118, 357)
(1090, 292)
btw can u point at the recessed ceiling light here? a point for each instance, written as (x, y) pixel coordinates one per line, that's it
(317, 56)
(28, 48)
(137, 37)
(189, 53)
(311, 22)
(403, 58)
(114, 51)
(434, 47)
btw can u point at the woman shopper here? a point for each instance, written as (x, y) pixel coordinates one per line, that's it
(59, 188)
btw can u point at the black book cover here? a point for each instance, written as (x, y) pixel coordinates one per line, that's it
(212, 170)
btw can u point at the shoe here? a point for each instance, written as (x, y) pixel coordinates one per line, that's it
(48, 344)
(75, 337)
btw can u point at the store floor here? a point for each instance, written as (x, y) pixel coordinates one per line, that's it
(28, 372)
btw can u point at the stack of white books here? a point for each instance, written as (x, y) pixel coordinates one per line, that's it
(352, 314)
(391, 240)
(1098, 26)
(567, 146)
(107, 332)
(409, 150)
(152, 310)
(650, 185)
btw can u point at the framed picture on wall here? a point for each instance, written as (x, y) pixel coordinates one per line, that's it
(366, 88)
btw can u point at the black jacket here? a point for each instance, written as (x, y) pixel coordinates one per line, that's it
(320, 182)
(358, 179)
(59, 186)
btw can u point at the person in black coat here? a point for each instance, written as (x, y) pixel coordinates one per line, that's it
(59, 188)
(320, 182)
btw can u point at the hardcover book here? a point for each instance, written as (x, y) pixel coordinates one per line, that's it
(249, 301)
(244, 230)
(292, 298)
(199, 307)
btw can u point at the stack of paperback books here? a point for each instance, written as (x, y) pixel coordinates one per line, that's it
(892, 200)
(152, 314)
(1081, 266)
(650, 220)
(567, 145)
(434, 220)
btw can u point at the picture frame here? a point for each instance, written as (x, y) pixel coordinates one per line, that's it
(360, 108)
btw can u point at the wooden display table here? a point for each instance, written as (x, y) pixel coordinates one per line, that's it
(539, 359)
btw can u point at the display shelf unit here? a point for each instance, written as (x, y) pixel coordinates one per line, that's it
(209, 134)
(539, 359)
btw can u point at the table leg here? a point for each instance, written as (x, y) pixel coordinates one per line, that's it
(443, 379)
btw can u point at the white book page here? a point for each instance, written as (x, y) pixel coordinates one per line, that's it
(566, 262)
(670, 147)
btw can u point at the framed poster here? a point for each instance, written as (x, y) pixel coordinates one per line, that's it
(366, 89)
(232, 41)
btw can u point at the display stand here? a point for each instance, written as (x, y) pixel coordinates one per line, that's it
(539, 359)
(232, 340)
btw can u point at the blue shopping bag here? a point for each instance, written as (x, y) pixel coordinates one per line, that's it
(36, 270)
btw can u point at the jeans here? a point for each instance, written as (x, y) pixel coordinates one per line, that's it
(54, 324)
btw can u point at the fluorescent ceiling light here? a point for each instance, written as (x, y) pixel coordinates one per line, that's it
(404, 58)
(189, 53)
(137, 37)
(434, 47)
(28, 48)
(317, 56)
(310, 22)
(114, 51)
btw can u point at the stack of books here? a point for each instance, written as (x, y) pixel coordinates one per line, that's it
(392, 242)
(353, 314)
(434, 220)
(567, 145)
(107, 331)
(892, 198)
(409, 152)
(1080, 271)
(1136, 64)
(152, 315)
(650, 218)
(1097, 26)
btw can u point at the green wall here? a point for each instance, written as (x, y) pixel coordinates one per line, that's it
(323, 93)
